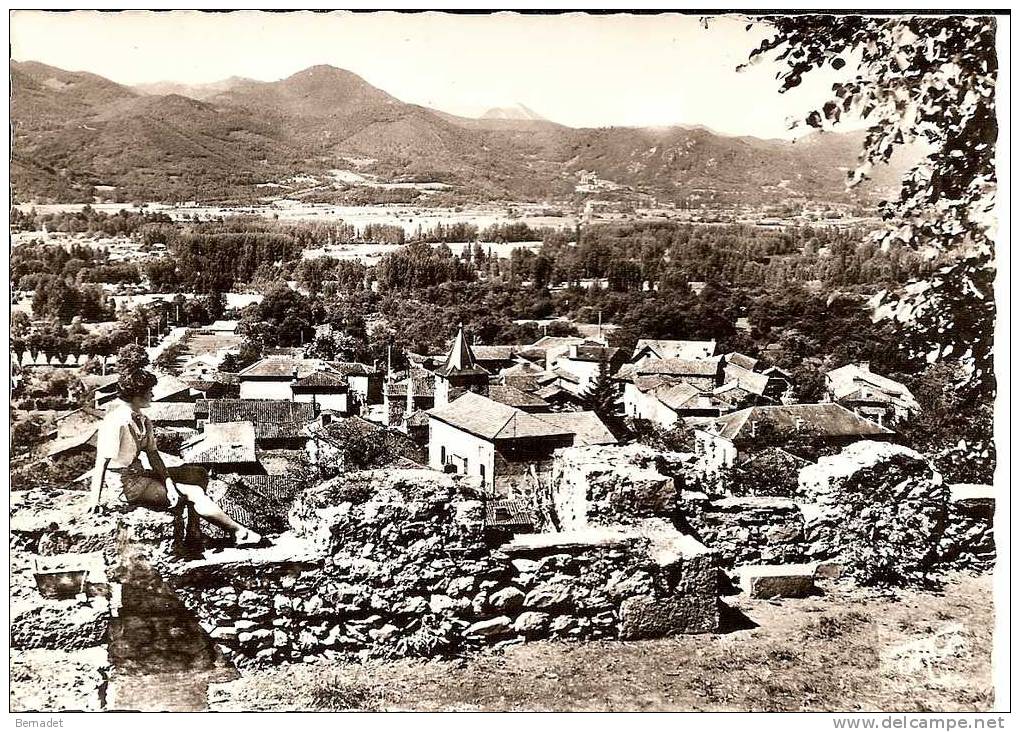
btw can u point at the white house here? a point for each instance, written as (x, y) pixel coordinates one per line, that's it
(869, 394)
(326, 389)
(477, 436)
(271, 378)
(664, 349)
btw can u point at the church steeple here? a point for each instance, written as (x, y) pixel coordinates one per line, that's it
(460, 357)
(460, 372)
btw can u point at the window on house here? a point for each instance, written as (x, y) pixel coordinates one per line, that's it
(481, 472)
(442, 454)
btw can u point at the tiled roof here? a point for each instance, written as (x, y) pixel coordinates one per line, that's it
(749, 381)
(72, 423)
(508, 514)
(282, 367)
(168, 386)
(676, 396)
(847, 382)
(260, 502)
(418, 418)
(273, 418)
(494, 353)
(525, 382)
(821, 420)
(551, 392)
(170, 412)
(61, 445)
(547, 342)
(667, 349)
(514, 397)
(281, 462)
(222, 442)
(524, 368)
(741, 360)
(671, 367)
(586, 427)
(593, 353)
(321, 379)
(491, 420)
(353, 368)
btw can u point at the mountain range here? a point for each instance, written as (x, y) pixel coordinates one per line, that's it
(232, 140)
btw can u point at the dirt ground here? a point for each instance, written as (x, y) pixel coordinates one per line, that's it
(847, 650)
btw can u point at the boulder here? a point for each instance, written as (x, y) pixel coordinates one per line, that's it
(508, 599)
(498, 626)
(553, 593)
(645, 616)
(782, 580)
(59, 681)
(531, 624)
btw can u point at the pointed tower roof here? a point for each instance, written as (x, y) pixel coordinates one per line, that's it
(460, 359)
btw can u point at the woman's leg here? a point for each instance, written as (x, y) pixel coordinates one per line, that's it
(192, 480)
(207, 508)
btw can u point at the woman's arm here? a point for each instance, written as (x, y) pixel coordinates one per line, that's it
(173, 494)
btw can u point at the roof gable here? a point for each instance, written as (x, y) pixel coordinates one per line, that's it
(491, 420)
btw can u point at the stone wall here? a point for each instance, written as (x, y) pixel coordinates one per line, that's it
(749, 530)
(969, 539)
(879, 508)
(59, 659)
(394, 563)
(603, 485)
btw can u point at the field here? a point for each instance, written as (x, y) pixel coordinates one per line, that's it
(848, 650)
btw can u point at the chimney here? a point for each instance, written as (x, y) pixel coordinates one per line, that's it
(864, 365)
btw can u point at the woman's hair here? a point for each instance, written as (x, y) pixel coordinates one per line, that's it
(135, 383)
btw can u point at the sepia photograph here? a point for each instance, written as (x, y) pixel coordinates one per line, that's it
(509, 361)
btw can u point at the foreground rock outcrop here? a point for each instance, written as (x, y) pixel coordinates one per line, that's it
(879, 508)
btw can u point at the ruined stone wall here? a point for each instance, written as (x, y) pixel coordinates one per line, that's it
(59, 659)
(599, 486)
(395, 563)
(969, 539)
(750, 530)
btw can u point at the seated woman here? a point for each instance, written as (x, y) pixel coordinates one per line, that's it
(124, 434)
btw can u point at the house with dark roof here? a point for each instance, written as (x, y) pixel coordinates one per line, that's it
(651, 373)
(665, 400)
(271, 377)
(729, 438)
(871, 395)
(502, 445)
(325, 389)
(517, 398)
(172, 414)
(278, 424)
(365, 382)
(474, 435)
(260, 502)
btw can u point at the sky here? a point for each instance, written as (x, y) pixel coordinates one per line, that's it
(576, 69)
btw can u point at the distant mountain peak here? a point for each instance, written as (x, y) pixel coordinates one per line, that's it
(514, 111)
